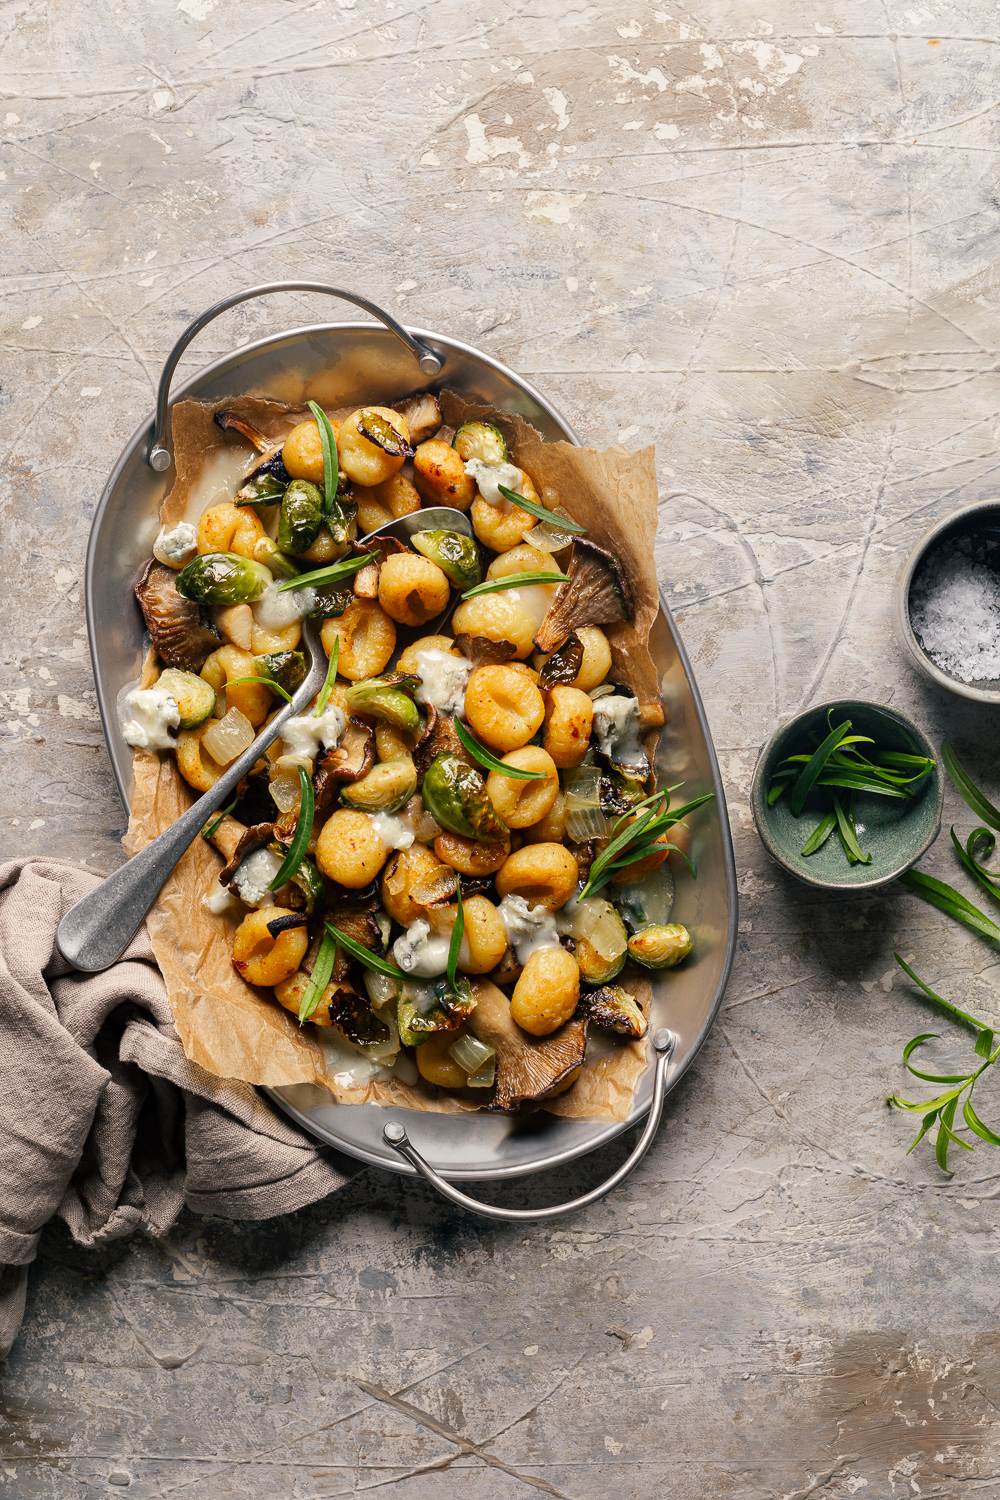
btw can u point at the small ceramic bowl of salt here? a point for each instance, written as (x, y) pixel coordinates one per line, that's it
(948, 602)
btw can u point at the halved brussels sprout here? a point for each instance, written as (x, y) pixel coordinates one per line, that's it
(286, 668)
(426, 1008)
(300, 517)
(455, 794)
(261, 491)
(193, 695)
(614, 1009)
(600, 939)
(456, 555)
(386, 788)
(342, 520)
(310, 882)
(223, 578)
(480, 440)
(331, 603)
(353, 1015)
(381, 698)
(663, 946)
(268, 552)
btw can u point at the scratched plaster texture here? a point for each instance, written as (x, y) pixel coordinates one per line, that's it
(764, 237)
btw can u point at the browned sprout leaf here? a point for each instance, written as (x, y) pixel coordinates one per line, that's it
(563, 665)
(352, 1014)
(613, 1009)
(380, 431)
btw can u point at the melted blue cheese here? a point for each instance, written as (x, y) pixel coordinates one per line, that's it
(394, 832)
(420, 952)
(176, 545)
(529, 928)
(277, 608)
(489, 478)
(443, 679)
(253, 878)
(303, 734)
(616, 730)
(148, 718)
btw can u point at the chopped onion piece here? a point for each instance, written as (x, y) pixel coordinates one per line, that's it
(484, 1077)
(548, 538)
(471, 1054)
(229, 738)
(284, 791)
(585, 818)
(382, 988)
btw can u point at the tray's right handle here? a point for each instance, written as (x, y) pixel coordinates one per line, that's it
(394, 1134)
(158, 456)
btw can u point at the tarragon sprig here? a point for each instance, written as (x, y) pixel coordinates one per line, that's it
(637, 834)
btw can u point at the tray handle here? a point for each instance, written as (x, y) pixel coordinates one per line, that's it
(394, 1134)
(158, 455)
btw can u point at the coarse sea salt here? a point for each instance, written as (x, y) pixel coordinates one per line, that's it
(955, 610)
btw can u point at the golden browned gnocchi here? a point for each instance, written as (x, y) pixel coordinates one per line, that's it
(547, 992)
(367, 639)
(542, 874)
(569, 717)
(350, 849)
(440, 477)
(230, 528)
(259, 956)
(503, 706)
(302, 451)
(251, 698)
(412, 589)
(522, 803)
(596, 662)
(381, 503)
(193, 760)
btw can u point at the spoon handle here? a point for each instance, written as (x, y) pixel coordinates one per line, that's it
(97, 930)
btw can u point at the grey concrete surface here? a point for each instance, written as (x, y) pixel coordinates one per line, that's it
(764, 236)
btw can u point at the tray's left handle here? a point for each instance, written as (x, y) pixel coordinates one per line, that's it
(394, 1135)
(158, 456)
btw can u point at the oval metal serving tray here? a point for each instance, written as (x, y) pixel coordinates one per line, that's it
(340, 363)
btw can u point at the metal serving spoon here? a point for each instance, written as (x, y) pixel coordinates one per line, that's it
(97, 930)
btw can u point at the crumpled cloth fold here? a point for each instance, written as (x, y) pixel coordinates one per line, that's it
(103, 1120)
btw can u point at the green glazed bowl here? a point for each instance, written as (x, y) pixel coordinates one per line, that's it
(894, 833)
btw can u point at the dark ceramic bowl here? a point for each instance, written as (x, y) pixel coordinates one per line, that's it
(982, 523)
(894, 833)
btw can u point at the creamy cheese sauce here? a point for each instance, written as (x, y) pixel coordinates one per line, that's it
(303, 734)
(443, 679)
(254, 876)
(489, 477)
(394, 831)
(616, 729)
(421, 953)
(529, 928)
(148, 718)
(221, 901)
(176, 545)
(277, 608)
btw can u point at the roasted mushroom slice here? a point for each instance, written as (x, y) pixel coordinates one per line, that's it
(256, 837)
(438, 738)
(563, 666)
(229, 421)
(179, 631)
(348, 761)
(422, 414)
(529, 1069)
(483, 652)
(595, 593)
(613, 1009)
(267, 481)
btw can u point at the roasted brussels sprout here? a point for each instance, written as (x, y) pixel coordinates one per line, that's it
(599, 938)
(260, 492)
(222, 578)
(286, 668)
(267, 551)
(663, 946)
(331, 603)
(456, 555)
(386, 788)
(426, 1008)
(455, 795)
(307, 879)
(353, 1015)
(614, 1009)
(421, 413)
(194, 697)
(384, 698)
(342, 520)
(480, 440)
(562, 667)
(300, 517)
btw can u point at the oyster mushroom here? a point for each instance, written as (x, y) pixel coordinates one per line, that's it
(596, 593)
(529, 1069)
(179, 631)
(253, 838)
(272, 464)
(481, 651)
(348, 761)
(422, 414)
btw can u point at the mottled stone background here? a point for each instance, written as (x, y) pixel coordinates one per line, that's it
(764, 237)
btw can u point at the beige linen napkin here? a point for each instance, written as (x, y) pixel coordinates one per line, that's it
(103, 1120)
